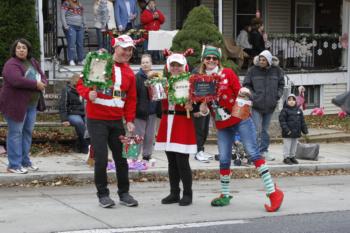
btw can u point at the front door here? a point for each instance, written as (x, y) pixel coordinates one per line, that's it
(245, 12)
(183, 7)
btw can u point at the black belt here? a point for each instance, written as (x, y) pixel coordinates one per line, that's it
(171, 112)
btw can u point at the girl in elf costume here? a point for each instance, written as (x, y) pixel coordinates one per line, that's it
(174, 142)
(227, 125)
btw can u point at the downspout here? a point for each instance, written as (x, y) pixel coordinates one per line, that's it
(220, 14)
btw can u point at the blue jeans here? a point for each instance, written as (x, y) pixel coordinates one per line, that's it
(19, 139)
(75, 40)
(78, 122)
(262, 124)
(247, 133)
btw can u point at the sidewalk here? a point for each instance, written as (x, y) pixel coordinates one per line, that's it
(332, 156)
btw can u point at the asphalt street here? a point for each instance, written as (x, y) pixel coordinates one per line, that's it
(312, 204)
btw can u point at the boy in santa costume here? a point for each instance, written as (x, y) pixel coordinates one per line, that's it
(227, 125)
(106, 109)
(172, 139)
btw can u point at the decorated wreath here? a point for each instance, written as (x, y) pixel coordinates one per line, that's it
(179, 85)
(204, 88)
(98, 70)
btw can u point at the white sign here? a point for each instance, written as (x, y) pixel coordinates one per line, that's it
(159, 40)
(182, 89)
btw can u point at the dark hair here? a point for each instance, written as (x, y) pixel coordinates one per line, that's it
(22, 41)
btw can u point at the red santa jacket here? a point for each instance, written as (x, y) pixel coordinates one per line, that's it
(228, 91)
(176, 132)
(104, 112)
(149, 23)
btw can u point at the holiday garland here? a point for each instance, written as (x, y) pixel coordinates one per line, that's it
(171, 92)
(107, 71)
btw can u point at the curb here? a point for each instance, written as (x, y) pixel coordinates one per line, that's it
(158, 175)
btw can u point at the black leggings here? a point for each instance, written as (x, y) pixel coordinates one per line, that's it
(179, 169)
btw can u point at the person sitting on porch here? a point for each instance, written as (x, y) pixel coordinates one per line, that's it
(72, 112)
(151, 20)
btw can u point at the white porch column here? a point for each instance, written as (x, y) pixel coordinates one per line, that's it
(41, 33)
(220, 15)
(347, 5)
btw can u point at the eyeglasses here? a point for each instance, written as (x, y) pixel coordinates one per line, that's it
(211, 58)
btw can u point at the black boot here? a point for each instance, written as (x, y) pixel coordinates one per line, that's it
(186, 199)
(171, 198)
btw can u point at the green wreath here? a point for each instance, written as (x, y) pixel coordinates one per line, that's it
(171, 93)
(107, 71)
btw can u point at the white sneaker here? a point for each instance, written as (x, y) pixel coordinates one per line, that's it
(200, 157)
(18, 170)
(268, 156)
(208, 156)
(71, 63)
(31, 168)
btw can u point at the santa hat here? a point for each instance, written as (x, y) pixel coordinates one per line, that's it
(178, 58)
(123, 41)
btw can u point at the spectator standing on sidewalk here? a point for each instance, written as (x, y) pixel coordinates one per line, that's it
(172, 139)
(151, 20)
(292, 123)
(125, 12)
(72, 112)
(106, 109)
(265, 80)
(19, 96)
(228, 125)
(73, 22)
(146, 109)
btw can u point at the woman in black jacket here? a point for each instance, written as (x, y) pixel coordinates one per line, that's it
(146, 110)
(72, 112)
(256, 38)
(292, 123)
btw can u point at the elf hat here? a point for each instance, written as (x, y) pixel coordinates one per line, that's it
(123, 41)
(211, 50)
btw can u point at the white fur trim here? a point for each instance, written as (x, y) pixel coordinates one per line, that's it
(176, 147)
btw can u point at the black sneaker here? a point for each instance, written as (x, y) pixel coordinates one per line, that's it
(287, 161)
(293, 160)
(146, 157)
(127, 200)
(106, 202)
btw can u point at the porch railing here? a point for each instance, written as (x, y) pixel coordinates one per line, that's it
(306, 51)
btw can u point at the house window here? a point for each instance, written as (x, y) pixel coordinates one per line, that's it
(304, 17)
(245, 12)
(312, 96)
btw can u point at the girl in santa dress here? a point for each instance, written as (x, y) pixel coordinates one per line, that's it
(176, 136)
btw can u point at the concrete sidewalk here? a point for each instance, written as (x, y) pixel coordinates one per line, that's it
(73, 165)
